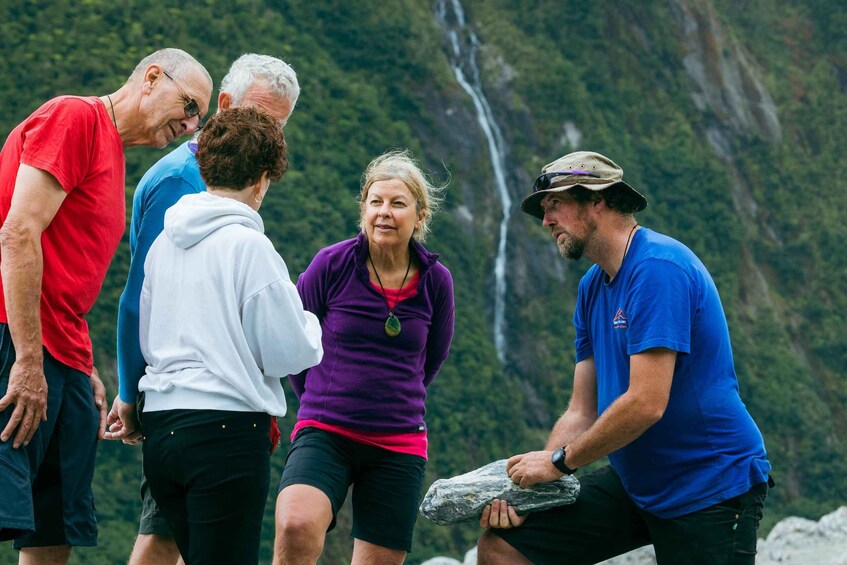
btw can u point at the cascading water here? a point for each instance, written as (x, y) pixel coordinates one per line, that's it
(462, 56)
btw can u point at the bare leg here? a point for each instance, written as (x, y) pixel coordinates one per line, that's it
(366, 553)
(303, 513)
(152, 549)
(492, 550)
(51, 555)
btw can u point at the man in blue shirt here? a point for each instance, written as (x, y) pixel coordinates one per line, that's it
(654, 389)
(260, 81)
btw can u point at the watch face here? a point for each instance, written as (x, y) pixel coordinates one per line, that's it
(558, 460)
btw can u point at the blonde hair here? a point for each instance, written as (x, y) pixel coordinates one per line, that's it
(399, 164)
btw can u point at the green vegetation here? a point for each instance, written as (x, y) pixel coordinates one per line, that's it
(766, 219)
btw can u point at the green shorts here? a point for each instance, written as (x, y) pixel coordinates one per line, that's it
(152, 522)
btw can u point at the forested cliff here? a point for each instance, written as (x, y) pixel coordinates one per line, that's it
(730, 116)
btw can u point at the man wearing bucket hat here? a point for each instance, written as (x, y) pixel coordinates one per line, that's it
(654, 389)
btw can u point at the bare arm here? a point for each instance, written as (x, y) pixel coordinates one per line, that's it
(641, 406)
(582, 409)
(35, 202)
(587, 437)
(536, 465)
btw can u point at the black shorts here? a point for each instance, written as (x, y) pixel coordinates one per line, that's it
(209, 472)
(45, 487)
(386, 485)
(604, 522)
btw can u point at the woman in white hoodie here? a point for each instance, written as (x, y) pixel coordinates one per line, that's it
(220, 324)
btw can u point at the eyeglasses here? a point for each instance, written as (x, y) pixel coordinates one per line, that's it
(191, 108)
(545, 181)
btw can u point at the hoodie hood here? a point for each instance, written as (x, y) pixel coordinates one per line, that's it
(195, 216)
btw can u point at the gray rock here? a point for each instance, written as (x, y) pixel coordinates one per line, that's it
(442, 561)
(462, 498)
(642, 556)
(801, 541)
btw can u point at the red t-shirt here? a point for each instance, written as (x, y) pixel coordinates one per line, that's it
(75, 140)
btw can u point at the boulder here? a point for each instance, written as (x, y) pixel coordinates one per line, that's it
(801, 541)
(462, 498)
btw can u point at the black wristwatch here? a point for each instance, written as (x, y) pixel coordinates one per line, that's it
(558, 460)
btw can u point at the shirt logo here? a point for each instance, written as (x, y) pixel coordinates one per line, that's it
(619, 321)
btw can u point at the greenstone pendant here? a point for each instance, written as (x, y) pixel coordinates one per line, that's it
(392, 325)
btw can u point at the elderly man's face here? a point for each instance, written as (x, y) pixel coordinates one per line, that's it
(260, 96)
(169, 102)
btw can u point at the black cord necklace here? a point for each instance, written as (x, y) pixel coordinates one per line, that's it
(392, 323)
(114, 118)
(628, 240)
(608, 278)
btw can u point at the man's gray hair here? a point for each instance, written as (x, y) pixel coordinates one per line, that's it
(275, 73)
(176, 62)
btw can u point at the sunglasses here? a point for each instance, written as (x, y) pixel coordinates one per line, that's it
(191, 108)
(545, 181)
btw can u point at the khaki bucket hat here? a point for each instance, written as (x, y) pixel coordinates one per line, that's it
(582, 168)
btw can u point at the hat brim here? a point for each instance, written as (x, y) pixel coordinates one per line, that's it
(532, 203)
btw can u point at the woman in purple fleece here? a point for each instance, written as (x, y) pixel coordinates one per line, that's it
(385, 305)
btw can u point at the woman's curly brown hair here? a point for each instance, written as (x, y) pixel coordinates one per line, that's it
(239, 144)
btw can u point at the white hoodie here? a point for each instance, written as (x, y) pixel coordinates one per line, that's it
(220, 320)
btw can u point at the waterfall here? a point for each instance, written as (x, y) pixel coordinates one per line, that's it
(462, 56)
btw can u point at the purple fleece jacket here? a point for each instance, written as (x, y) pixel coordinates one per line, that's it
(368, 380)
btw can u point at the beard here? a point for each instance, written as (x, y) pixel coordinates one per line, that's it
(573, 246)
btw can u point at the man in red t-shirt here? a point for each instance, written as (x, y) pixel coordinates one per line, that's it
(63, 213)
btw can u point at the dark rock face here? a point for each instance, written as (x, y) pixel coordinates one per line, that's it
(462, 498)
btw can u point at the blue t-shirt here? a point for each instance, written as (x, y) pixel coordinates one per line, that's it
(706, 448)
(172, 177)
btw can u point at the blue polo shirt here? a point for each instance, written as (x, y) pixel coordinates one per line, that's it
(706, 448)
(172, 177)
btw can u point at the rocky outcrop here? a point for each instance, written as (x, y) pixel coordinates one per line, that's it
(462, 498)
(797, 540)
(725, 81)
